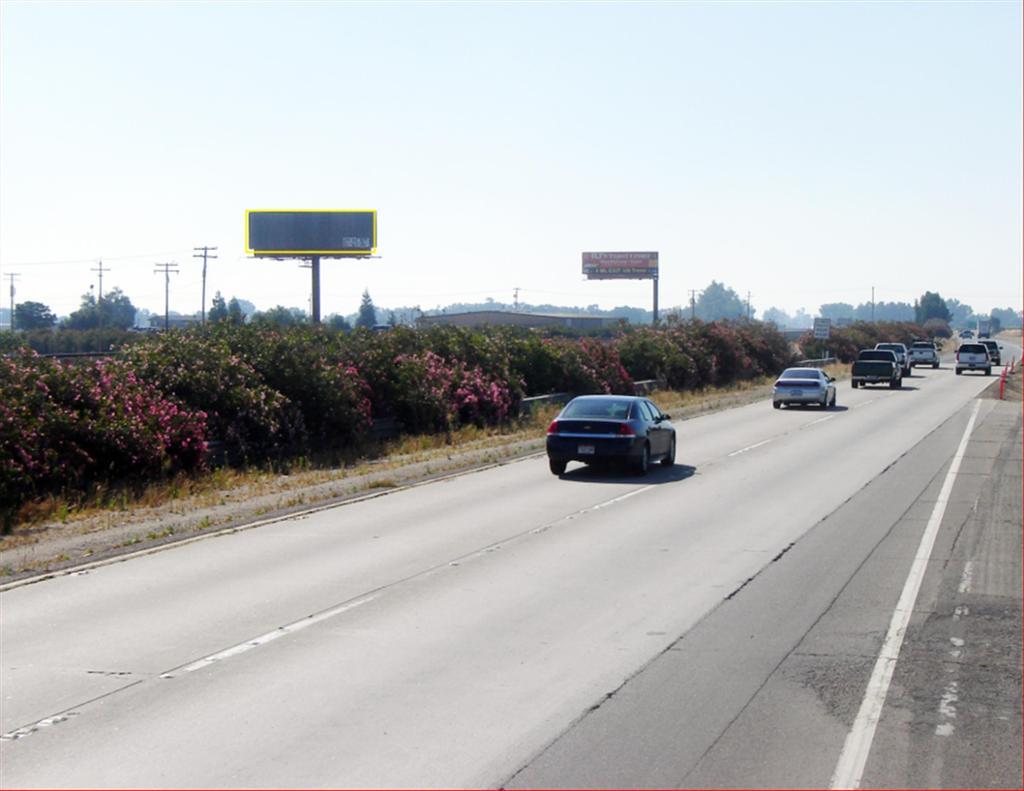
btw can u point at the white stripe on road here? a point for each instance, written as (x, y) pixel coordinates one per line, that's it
(821, 420)
(749, 447)
(850, 768)
(619, 499)
(281, 631)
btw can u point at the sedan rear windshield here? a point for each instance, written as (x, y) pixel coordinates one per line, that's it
(607, 408)
(924, 345)
(799, 373)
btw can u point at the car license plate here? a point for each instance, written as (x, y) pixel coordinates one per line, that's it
(797, 392)
(585, 450)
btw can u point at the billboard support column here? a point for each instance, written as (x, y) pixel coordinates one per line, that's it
(655, 299)
(315, 302)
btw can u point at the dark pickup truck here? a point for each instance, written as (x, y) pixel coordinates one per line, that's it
(876, 366)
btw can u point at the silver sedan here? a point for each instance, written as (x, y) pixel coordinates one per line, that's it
(804, 386)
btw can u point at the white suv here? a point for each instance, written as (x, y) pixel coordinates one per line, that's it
(973, 357)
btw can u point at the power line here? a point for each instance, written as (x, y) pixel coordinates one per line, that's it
(90, 260)
(166, 269)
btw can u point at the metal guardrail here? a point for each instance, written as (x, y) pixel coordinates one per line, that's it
(527, 405)
(819, 362)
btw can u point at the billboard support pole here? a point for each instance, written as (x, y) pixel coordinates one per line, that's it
(315, 268)
(655, 299)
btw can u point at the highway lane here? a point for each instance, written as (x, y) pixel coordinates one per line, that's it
(462, 625)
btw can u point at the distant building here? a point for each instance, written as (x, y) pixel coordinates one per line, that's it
(173, 322)
(504, 318)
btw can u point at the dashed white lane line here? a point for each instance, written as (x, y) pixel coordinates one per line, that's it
(820, 420)
(852, 760)
(749, 447)
(620, 498)
(263, 639)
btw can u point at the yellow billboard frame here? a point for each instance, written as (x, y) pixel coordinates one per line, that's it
(353, 253)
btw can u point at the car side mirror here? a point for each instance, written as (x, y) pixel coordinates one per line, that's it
(831, 378)
(665, 416)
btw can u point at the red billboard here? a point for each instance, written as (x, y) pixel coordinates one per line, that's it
(622, 266)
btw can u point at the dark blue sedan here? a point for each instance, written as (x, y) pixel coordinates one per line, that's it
(609, 428)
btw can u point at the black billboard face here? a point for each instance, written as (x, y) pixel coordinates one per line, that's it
(311, 232)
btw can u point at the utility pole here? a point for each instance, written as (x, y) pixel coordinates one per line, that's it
(99, 268)
(872, 304)
(204, 255)
(693, 304)
(99, 307)
(12, 276)
(515, 299)
(166, 269)
(748, 306)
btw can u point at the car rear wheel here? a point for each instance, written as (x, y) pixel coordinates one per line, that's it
(557, 467)
(855, 385)
(988, 372)
(935, 365)
(643, 464)
(776, 404)
(670, 457)
(834, 394)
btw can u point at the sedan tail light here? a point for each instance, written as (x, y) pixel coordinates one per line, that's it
(626, 430)
(553, 428)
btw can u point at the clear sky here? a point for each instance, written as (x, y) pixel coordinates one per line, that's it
(803, 152)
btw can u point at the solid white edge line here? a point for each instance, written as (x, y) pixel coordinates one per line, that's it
(852, 760)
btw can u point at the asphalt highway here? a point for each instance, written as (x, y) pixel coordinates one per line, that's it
(713, 624)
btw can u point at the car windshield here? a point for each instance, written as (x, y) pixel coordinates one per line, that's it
(607, 408)
(924, 345)
(877, 354)
(799, 373)
(974, 348)
(893, 347)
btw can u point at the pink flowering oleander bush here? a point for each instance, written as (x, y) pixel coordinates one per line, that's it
(306, 365)
(691, 355)
(66, 428)
(254, 421)
(435, 394)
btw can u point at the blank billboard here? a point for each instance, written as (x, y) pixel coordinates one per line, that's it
(310, 232)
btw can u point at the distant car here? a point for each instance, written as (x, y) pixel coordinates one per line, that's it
(597, 429)
(902, 356)
(966, 334)
(804, 386)
(924, 353)
(973, 357)
(993, 350)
